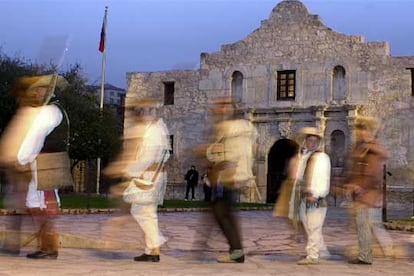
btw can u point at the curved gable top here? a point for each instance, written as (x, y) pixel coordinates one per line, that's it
(292, 11)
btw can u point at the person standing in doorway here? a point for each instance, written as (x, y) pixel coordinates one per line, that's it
(192, 180)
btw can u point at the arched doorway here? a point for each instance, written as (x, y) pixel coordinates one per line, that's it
(277, 162)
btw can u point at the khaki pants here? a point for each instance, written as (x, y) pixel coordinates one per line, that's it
(48, 237)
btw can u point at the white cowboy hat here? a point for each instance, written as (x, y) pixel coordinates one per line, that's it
(310, 131)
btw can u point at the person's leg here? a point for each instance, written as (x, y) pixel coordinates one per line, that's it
(187, 190)
(146, 216)
(12, 234)
(315, 220)
(49, 237)
(382, 236)
(222, 209)
(364, 234)
(305, 217)
(192, 191)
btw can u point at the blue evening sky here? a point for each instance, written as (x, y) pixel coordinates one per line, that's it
(156, 35)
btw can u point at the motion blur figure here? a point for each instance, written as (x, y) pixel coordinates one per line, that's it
(367, 160)
(31, 132)
(231, 155)
(141, 164)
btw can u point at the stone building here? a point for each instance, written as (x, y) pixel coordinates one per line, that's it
(291, 72)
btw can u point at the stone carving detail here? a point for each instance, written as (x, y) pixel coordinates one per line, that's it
(285, 129)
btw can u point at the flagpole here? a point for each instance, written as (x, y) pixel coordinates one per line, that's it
(102, 48)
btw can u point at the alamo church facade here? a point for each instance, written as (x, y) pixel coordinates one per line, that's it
(291, 72)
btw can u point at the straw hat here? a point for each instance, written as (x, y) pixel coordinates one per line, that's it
(369, 123)
(27, 83)
(313, 131)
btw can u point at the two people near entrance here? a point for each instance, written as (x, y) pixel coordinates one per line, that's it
(146, 148)
(303, 194)
(33, 131)
(192, 180)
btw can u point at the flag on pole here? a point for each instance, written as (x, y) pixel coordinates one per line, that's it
(103, 34)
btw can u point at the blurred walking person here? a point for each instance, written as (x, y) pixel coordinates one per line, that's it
(231, 154)
(367, 160)
(146, 148)
(36, 128)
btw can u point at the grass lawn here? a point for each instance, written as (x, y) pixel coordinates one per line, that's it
(85, 201)
(408, 221)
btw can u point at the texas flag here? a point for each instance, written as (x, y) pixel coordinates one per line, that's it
(103, 35)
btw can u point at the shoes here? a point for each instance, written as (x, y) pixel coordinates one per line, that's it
(359, 261)
(147, 258)
(236, 256)
(186, 199)
(43, 255)
(193, 199)
(308, 261)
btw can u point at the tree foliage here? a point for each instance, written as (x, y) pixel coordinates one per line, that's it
(93, 133)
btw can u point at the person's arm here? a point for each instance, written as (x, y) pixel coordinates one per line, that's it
(48, 119)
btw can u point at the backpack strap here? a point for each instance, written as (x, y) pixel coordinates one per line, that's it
(65, 115)
(310, 163)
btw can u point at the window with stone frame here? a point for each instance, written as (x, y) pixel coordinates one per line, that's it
(169, 90)
(338, 83)
(286, 85)
(237, 86)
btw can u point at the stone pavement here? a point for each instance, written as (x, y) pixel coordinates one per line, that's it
(104, 244)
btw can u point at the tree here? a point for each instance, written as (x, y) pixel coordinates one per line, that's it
(93, 133)
(10, 70)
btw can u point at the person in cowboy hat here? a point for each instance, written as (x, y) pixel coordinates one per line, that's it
(367, 160)
(28, 134)
(145, 150)
(311, 186)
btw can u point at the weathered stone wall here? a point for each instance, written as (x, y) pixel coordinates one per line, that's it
(186, 119)
(375, 84)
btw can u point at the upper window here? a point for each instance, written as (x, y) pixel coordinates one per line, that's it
(169, 89)
(286, 85)
(237, 86)
(338, 83)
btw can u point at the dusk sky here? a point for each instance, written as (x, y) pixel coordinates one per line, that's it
(156, 35)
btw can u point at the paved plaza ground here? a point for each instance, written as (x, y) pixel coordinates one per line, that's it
(104, 244)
